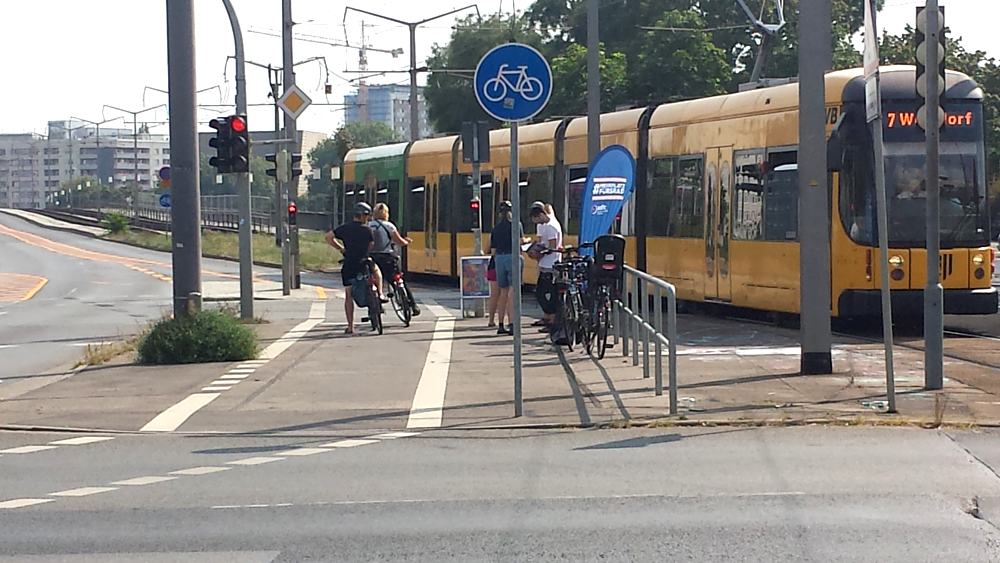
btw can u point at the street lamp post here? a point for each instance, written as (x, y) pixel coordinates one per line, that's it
(135, 138)
(414, 109)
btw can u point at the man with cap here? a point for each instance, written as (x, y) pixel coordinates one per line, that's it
(549, 233)
(355, 240)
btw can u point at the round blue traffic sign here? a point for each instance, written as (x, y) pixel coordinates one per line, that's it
(513, 82)
(164, 173)
(165, 200)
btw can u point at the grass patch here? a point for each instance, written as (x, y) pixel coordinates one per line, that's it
(208, 336)
(100, 354)
(314, 252)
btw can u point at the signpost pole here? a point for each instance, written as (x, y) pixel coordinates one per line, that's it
(933, 292)
(515, 239)
(873, 103)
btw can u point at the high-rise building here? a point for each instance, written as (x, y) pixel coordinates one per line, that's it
(33, 166)
(389, 104)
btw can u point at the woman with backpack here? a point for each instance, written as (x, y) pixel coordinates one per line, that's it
(386, 236)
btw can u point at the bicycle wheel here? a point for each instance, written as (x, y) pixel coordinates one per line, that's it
(400, 304)
(590, 328)
(374, 309)
(569, 321)
(603, 326)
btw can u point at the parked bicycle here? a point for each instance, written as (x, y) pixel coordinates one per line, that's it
(572, 317)
(603, 286)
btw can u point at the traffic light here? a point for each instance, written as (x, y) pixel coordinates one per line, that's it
(273, 159)
(476, 213)
(280, 170)
(223, 135)
(239, 144)
(924, 66)
(295, 169)
(292, 215)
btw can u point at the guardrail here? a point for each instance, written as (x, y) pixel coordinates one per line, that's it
(632, 325)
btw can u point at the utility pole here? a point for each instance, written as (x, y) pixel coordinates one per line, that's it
(97, 125)
(242, 178)
(815, 59)
(933, 292)
(274, 76)
(186, 216)
(291, 133)
(412, 26)
(593, 83)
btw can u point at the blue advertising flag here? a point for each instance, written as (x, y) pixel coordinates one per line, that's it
(609, 184)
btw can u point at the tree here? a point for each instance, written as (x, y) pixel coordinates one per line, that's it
(569, 82)
(361, 134)
(261, 184)
(674, 66)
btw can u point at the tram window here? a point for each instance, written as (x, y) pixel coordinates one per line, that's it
(689, 199)
(382, 193)
(445, 205)
(395, 206)
(748, 196)
(538, 188)
(486, 198)
(574, 200)
(662, 185)
(781, 197)
(415, 205)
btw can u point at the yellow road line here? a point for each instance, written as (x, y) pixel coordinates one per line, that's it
(35, 289)
(320, 292)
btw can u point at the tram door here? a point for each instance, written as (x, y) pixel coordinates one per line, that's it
(718, 227)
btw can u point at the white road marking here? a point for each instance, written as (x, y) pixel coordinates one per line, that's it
(253, 362)
(22, 502)
(199, 470)
(94, 344)
(83, 492)
(222, 382)
(348, 443)
(216, 388)
(428, 401)
(305, 451)
(394, 435)
(255, 460)
(246, 371)
(140, 481)
(170, 419)
(2, 346)
(81, 441)
(27, 449)
(234, 376)
(248, 366)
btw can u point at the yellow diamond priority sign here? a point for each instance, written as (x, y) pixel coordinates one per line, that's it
(294, 101)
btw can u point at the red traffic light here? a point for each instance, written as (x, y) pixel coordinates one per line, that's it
(474, 204)
(238, 124)
(292, 208)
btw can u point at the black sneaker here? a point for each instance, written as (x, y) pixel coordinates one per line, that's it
(416, 311)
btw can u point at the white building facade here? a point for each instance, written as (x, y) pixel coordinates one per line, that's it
(33, 166)
(389, 104)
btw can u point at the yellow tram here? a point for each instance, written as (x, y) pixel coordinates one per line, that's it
(715, 210)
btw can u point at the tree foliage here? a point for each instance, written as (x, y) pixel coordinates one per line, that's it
(357, 135)
(261, 184)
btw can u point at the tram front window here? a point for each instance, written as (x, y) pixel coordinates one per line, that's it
(962, 201)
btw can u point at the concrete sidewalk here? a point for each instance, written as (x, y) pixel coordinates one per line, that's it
(728, 372)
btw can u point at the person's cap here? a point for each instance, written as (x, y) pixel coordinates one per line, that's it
(505, 206)
(538, 205)
(362, 208)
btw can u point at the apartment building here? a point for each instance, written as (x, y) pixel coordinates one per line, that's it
(390, 104)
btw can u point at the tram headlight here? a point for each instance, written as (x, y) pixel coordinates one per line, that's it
(896, 261)
(978, 259)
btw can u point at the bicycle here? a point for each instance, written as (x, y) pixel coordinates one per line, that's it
(529, 87)
(603, 279)
(374, 304)
(572, 316)
(400, 295)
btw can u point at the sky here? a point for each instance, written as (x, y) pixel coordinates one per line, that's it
(73, 58)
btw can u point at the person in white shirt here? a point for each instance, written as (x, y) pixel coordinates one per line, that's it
(549, 236)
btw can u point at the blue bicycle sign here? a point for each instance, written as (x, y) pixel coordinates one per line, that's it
(513, 82)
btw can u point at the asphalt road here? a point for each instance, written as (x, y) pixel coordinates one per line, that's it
(714, 494)
(96, 291)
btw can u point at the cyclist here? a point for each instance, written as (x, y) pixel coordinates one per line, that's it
(355, 240)
(384, 252)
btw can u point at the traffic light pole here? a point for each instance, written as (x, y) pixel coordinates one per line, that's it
(290, 258)
(243, 178)
(186, 224)
(933, 292)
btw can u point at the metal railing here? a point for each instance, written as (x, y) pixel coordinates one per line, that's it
(631, 326)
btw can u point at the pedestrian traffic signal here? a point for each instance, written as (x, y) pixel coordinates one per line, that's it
(295, 169)
(223, 135)
(292, 215)
(239, 144)
(476, 213)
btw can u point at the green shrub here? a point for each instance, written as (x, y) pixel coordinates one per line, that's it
(207, 336)
(115, 223)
